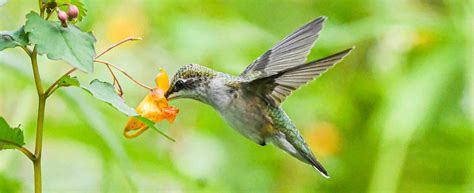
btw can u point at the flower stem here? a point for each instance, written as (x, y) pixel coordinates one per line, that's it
(124, 73)
(117, 44)
(116, 82)
(39, 123)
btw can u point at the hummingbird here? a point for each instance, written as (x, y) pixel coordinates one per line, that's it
(250, 102)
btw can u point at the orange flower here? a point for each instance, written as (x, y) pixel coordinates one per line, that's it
(153, 107)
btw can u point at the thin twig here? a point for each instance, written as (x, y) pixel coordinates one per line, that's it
(22, 149)
(124, 73)
(52, 91)
(28, 51)
(49, 15)
(117, 44)
(116, 82)
(41, 7)
(26, 152)
(54, 85)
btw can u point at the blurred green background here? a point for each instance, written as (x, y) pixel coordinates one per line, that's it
(395, 116)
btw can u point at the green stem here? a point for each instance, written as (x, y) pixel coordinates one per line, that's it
(20, 148)
(40, 121)
(55, 86)
(41, 7)
(28, 51)
(26, 152)
(49, 15)
(34, 63)
(41, 107)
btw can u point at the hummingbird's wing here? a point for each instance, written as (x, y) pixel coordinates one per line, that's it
(288, 53)
(274, 89)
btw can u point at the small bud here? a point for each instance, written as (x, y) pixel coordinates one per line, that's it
(72, 11)
(62, 16)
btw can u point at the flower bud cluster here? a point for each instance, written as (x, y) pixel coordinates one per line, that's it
(72, 13)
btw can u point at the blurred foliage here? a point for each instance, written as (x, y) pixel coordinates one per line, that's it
(395, 116)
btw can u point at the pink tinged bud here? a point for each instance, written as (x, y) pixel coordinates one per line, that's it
(72, 11)
(62, 16)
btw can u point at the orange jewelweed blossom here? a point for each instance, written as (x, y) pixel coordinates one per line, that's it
(153, 107)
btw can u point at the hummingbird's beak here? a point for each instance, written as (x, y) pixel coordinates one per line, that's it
(168, 93)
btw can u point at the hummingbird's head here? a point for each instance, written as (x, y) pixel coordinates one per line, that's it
(191, 81)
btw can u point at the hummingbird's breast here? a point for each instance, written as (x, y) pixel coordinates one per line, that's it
(248, 114)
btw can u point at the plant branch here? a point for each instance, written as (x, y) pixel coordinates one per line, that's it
(39, 123)
(41, 7)
(54, 86)
(28, 51)
(36, 74)
(49, 15)
(116, 82)
(20, 148)
(124, 73)
(26, 152)
(117, 44)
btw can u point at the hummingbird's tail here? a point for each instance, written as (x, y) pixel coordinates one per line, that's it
(304, 154)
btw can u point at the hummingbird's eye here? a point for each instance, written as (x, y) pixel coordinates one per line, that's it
(179, 85)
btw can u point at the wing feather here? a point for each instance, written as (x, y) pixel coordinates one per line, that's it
(288, 53)
(277, 87)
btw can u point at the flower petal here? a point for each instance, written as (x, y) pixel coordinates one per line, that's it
(162, 81)
(153, 107)
(134, 124)
(170, 113)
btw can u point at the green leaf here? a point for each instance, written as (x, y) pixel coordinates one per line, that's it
(66, 81)
(61, 43)
(105, 91)
(10, 137)
(11, 39)
(151, 124)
